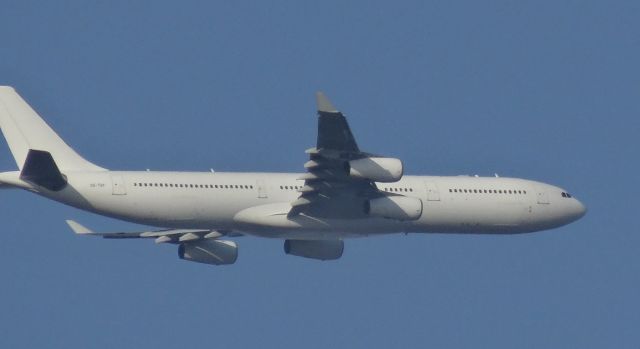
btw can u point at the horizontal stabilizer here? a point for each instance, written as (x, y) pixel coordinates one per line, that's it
(40, 168)
(78, 228)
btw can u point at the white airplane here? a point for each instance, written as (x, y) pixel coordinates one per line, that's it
(344, 193)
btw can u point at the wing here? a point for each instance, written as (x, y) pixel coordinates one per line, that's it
(332, 188)
(160, 236)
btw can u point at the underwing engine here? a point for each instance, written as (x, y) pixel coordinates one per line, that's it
(376, 169)
(209, 251)
(315, 249)
(399, 207)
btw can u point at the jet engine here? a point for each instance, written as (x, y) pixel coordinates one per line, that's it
(376, 169)
(395, 207)
(208, 251)
(315, 249)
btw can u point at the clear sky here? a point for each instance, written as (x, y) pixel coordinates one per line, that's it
(546, 90)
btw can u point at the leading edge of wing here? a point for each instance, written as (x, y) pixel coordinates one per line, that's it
(167, 235)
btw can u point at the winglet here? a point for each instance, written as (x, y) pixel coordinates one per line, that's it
(324, 105)
(78, 228)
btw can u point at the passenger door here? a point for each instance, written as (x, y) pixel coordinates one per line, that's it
(432, 191)
(543, 198)
(117, 184)
(262, 189)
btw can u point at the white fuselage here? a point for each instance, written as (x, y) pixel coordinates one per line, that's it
(257, 203)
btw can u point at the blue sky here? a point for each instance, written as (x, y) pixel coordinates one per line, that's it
(540, 90)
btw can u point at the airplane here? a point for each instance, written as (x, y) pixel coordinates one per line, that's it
(343, 193)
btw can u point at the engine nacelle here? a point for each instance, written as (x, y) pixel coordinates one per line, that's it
(395, 207)
(376, 169)
(315, 249)
(208, 251)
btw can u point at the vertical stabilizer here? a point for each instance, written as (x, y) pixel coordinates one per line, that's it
(24, 130)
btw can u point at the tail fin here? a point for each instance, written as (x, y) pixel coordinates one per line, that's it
(25, 130)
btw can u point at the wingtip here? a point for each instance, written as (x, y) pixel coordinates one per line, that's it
(324, 105)
(78, 228)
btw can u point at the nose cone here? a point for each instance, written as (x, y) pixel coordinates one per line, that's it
(578, 210)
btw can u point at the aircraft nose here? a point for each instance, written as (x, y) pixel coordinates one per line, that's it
(579, 210)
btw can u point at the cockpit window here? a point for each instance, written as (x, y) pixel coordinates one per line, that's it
(566, 195)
